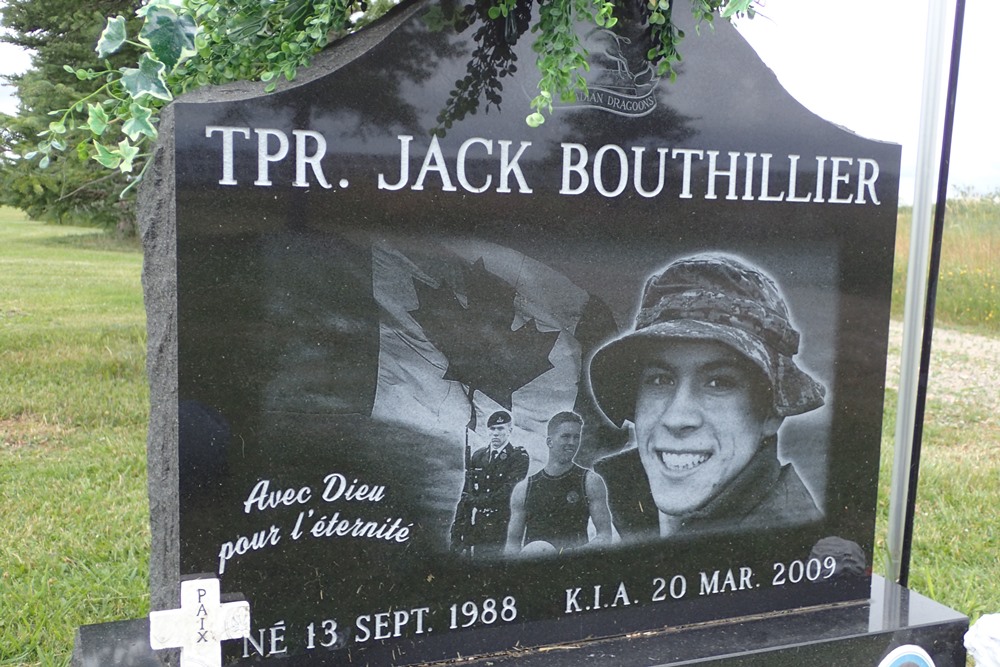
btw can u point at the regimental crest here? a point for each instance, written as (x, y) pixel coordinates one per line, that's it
(573, 497)
(621, 80)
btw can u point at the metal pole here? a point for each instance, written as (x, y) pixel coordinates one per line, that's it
(916, 283)
(932, 283)
(909, 429)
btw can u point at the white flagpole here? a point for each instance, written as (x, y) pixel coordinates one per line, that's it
(928, 149)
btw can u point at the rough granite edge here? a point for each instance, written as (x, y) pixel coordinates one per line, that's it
(157, 213)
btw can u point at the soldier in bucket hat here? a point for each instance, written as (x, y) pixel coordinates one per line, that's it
(706, 377)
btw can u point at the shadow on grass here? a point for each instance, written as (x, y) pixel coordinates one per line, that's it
(105, 241)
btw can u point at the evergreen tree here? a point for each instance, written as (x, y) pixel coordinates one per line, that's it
(73, 188)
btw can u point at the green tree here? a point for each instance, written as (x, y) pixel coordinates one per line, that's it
(72, 188)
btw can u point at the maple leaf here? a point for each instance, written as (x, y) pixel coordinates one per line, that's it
(483, 352)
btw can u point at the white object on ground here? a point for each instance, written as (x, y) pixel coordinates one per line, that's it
(983, 641)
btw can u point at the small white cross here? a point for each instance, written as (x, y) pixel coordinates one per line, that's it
(200, 625)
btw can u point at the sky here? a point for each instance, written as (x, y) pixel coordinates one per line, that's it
(861, 66)
(858, 64)
(12, 61)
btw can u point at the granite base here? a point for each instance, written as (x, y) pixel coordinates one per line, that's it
(848, 635)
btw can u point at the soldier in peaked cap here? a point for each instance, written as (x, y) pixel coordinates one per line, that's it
(706, 377)
(480, 528)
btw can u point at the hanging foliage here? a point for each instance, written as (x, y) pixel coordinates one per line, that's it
(185, 44)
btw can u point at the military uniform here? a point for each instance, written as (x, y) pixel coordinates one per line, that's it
(480, 528)
(766, 494)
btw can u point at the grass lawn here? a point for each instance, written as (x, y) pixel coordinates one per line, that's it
(969, 282)
(956, 533)
(74, 539)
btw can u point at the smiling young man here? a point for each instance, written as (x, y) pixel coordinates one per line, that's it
(706, 377)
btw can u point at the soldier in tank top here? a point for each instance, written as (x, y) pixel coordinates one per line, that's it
(550, 510)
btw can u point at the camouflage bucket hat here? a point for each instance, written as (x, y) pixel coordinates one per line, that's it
(715, 298)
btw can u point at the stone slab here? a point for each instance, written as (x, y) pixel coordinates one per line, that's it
(848, 635)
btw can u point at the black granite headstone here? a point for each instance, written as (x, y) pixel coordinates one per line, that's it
(382, 267)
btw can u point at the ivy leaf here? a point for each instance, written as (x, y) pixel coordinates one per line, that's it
(139, 123)
(535, 119)
(148, 79)
(112, 38)
(735, 7)
(97, 119)
(107, 158)
(128, 153)
(171, 37)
